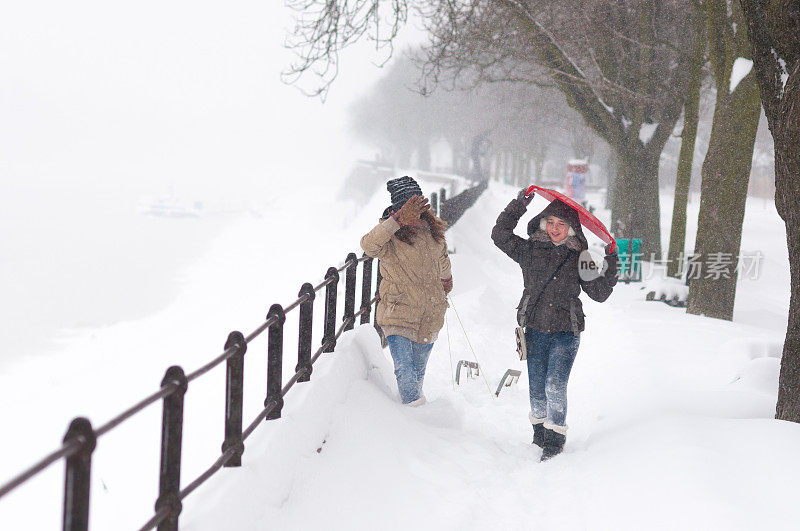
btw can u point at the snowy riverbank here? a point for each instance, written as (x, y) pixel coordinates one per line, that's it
(670, 414)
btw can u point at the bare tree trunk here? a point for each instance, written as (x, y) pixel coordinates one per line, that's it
(403, 158)
(453, 142)
(465, 162)
(787, 199)
(516, 174)
(526, 170)
(424, 154)
(635, 201)
(677, 238)
(726, 174)
(611, 179)
(774, 37)
(539, 155)
(726, 169)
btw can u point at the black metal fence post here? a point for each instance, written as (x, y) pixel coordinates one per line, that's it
(329, 337)
(77, 479)
(350, 291)
(366, 289)
(234, 391)
(275, 361)
(306, 328)
(169, 484)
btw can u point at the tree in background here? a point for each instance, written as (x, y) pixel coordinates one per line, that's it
(727, 165)
(622, 65)
(397, 119)
(691, 118)
(774, 32)
(627, 85)
(521, 123)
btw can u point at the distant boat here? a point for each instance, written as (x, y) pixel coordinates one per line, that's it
(170, 207)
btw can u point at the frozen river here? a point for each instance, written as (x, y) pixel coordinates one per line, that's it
(77, 257)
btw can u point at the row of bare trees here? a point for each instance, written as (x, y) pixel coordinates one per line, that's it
(629, 69)
(513, 127)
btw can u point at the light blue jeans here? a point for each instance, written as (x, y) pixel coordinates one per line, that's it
(550, 359)
(410, 359)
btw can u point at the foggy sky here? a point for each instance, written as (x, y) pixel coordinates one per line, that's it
(182, 93)
(102, 103)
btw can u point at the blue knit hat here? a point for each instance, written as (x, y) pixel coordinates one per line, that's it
(401, 189)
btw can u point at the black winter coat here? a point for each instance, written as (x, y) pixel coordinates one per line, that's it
(558, 308)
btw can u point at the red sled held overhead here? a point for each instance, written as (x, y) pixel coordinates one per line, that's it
(587, 219)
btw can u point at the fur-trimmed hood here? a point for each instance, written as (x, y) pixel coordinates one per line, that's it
(563, 211)
(557, 306)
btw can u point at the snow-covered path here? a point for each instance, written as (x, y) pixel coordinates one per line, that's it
(670, 415)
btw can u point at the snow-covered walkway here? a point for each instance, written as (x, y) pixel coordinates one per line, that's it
(670, 423)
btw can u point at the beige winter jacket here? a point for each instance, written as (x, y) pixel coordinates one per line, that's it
(412, 299)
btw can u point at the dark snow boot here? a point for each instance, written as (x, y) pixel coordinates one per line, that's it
(538, 435)
(553, 444)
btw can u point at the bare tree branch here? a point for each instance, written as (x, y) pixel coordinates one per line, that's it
(323, 28)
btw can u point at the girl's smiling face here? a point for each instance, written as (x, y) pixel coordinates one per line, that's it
(557, 228)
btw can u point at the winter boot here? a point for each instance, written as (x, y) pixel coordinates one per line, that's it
(538, 430)
(538, 435)
(553, 441)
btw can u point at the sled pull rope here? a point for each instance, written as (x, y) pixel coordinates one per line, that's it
(483, 373)
(449, 351)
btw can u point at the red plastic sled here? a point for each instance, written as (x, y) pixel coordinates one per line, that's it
(588, 219)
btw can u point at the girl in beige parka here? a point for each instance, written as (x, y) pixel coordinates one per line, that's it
(415, 269)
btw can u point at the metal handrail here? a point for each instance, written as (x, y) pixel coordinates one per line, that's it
(125, 415)
(81, 439)
(202, 478)
(67, 450)
(257, 332)
(347, 264)
(72, 447)
(159, 517)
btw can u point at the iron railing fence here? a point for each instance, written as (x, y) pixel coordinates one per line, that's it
(82, 437)
(450, 210)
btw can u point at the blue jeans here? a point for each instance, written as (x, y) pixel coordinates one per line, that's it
(410, 359)
(550, 358)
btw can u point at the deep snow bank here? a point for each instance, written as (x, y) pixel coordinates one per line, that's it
(670, 414)
(98, 372)
(670, 419)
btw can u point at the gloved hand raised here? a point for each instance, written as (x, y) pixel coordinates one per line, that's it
(613, 265)
(523, 199)
(411, 211)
